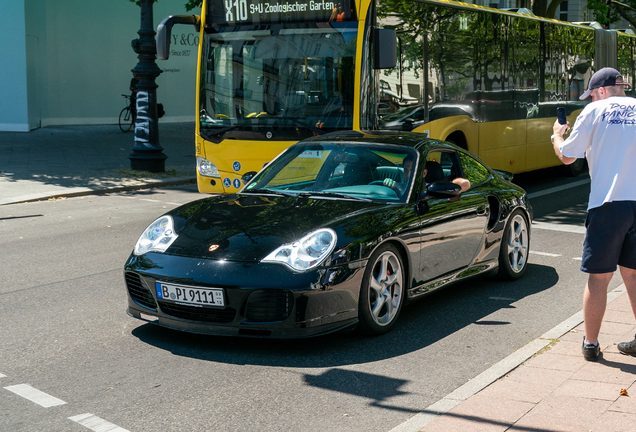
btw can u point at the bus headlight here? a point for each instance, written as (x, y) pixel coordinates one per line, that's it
(207, 168)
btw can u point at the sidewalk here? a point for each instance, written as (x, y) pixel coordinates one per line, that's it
(555, 390)
(77, 160)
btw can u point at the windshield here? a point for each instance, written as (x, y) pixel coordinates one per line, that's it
(340, 171)
(277, 82)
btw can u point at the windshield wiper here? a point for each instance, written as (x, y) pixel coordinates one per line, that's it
(334, 194)
(270, 191)
(215, 135)
(305, 125)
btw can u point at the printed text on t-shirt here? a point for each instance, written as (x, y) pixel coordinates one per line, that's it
(620, 114)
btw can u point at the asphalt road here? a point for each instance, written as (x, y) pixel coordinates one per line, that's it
(72, 360)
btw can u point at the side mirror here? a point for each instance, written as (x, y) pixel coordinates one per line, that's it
(245, 178)
(407, 125)
(384, 48)
(441, 189)
(164, 32)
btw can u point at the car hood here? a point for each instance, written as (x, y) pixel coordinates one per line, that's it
(249, 227)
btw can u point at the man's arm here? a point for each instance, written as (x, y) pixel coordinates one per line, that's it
(557, 139)
(462, 182)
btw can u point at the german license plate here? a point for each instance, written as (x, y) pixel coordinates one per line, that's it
(190, 295)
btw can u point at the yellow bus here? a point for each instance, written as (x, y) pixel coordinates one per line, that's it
(274, 72)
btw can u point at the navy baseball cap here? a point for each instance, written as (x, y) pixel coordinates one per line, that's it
(605, 77)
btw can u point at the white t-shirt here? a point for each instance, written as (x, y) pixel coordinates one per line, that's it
(605, 133)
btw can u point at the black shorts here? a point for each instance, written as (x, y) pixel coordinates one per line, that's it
(610, 239)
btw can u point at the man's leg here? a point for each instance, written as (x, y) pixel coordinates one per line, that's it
(629, 278)
(594, 302)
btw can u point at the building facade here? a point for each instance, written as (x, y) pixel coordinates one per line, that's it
(70, 62)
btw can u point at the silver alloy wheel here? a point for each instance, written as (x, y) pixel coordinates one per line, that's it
(385, 288)
(517, 243)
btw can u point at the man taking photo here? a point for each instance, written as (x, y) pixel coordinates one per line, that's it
(605, 134)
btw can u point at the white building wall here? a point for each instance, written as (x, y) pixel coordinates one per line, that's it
(14, 115)
(71, 61)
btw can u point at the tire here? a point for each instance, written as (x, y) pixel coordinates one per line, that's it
(575, 169)
(382, 292)
(125, 120)
(515, 247)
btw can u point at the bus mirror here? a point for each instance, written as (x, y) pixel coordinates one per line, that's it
(164, 32)
(385, 48)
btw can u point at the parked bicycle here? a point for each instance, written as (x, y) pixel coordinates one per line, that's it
(126, 117)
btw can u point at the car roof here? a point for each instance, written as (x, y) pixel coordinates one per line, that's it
(415, 140)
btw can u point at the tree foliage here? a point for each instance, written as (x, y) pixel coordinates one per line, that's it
(605, 13)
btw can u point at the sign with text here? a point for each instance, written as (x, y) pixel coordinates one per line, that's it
(233, 12)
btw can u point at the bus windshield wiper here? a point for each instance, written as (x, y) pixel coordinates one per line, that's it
(305, 125)
(216, 135)
(334, 194)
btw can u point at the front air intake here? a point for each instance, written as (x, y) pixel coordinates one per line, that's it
(138, 292)
(269, 305)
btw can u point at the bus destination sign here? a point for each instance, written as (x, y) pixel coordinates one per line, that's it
(236, 12)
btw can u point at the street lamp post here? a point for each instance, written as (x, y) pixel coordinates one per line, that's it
(147, 154)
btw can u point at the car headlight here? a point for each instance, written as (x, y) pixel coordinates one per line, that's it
(157, 237)
(306, 253)
(207, 168)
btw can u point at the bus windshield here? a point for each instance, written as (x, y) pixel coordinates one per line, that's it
(277, 82)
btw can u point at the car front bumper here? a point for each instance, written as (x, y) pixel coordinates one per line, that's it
(261, 300)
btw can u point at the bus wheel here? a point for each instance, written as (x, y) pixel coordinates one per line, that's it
(574, 169)
(458, 139)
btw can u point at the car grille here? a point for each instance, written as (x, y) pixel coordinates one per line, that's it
(198, 314)
(269, 305)
(139, 293)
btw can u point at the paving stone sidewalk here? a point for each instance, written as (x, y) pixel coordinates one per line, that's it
(557, 390)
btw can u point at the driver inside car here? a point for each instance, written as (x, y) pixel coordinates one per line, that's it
(400, 187)
(407, 165)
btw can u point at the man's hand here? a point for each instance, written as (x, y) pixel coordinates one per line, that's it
(558, 128)
(390, 183)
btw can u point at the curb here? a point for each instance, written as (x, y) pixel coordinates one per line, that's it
(147, 184)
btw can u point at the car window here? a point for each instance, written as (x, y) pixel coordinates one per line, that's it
(442, 165)
(474, 171)
(419, 115)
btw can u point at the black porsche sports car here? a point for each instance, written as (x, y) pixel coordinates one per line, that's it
(338, 231)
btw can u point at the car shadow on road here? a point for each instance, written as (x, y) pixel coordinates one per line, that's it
(420, 324)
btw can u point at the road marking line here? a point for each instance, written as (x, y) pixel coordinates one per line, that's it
(35, 395)
(558, 188)
(149, 200)
(578, 259)
(559, 227)
(96, 424)
(496, 371)
(545, 254)
(2, 376)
